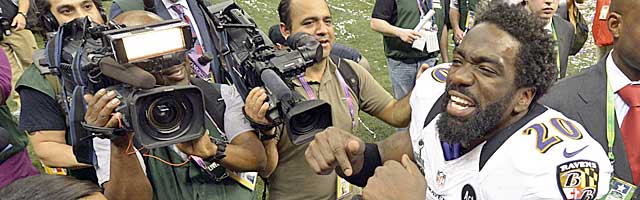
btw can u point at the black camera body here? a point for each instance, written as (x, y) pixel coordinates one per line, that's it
(251, 60)
(5, 27)
(89, 57)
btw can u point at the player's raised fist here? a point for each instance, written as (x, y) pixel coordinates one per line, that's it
(335, 147)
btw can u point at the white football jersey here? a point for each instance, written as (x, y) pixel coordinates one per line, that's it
(545, 155)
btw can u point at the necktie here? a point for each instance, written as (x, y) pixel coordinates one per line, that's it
(630, 128)
(202, 71)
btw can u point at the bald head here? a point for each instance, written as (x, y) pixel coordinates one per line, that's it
(137, 17)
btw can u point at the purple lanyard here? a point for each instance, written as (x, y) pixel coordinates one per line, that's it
(345, 88)
(420, 8)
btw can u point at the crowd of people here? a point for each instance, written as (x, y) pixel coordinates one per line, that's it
(499, 119)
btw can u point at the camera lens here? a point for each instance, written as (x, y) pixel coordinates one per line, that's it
(165, 114)
(305, 122)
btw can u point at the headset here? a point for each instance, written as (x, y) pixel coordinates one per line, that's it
(50, 23)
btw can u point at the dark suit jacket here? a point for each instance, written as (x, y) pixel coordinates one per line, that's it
(200, 20)
(583, 98)
(565, 34)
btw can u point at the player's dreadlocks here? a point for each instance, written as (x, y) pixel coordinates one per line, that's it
(535, 64)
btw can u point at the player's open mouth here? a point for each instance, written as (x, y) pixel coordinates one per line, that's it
(460, 105)
(175, 73)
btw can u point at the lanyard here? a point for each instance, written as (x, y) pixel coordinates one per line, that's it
(345, 88)
(429, 7)
(611, 134)
(556, 47)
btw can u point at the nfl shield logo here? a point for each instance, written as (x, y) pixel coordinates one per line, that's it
(578, 180)
(440, 178)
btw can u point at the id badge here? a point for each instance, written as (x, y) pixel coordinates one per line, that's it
(344, 188)
(470, 20)
(246, 179)
(603, 13)
(620, 190)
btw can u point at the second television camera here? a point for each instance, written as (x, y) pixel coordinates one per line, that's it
(88, 57)
(251, 60)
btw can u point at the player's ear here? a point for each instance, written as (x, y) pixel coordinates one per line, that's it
(614, 21)
(524, 98)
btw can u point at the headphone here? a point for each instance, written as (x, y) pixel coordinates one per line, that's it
(50, 23)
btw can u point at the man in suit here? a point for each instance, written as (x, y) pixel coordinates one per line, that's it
(561, 30)
(188, 11)
(604, 97)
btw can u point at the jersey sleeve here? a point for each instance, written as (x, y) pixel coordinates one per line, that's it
(429, 87)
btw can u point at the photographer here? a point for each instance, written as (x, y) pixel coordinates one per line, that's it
(18, 45)
(14, 159)
(173, 172)
(43, 115)
(293, 178)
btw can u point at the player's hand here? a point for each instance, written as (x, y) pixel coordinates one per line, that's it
(100, 107)
(201, 147)
(255, 107)
(408, 35)
(458, 34)
(19, 21)
(396, 180)
(422, 68)
(332, 147)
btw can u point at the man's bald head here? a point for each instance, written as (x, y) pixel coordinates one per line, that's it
(625, 27)
(137, 17)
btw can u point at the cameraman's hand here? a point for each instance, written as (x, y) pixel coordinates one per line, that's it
(255, 107)
(335, 146)
(19, 21)
(201, 147)
(99, 108)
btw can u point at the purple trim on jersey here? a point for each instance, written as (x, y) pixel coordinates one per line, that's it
(450, 151)
(5, 76)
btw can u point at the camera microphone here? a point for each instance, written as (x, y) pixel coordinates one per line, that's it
(129, 74)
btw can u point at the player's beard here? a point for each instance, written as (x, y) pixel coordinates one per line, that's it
(454, 130)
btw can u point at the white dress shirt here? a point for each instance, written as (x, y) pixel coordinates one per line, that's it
(187, 11)
(617, 80)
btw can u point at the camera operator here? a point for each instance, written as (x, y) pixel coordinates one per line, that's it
(293, 178)
(165, 178)
(18, 45)
(14, 159)
(43, 115)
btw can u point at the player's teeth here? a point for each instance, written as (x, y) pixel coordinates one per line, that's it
(460, 100)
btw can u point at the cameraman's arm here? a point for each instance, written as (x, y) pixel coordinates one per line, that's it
(245, 152)
(256, 109)
(51, 148)
(126, 178)
(42, 117)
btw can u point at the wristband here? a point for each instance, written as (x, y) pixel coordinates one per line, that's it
(23, 15)
(371, 161)
(220, 152)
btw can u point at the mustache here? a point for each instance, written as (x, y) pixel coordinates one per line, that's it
(462, 90)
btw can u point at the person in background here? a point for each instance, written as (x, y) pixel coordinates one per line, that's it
(14, 158)
(338, 50)
(18, 46)
(605, 97)
(561, 30)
